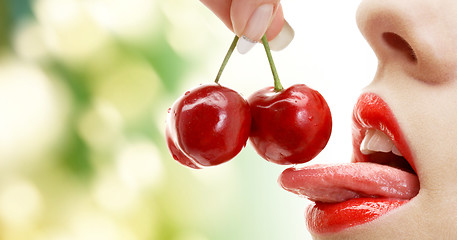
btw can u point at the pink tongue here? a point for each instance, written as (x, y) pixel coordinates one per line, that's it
(338, 183)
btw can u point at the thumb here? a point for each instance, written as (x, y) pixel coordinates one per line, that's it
(280, 33)
(252, 19)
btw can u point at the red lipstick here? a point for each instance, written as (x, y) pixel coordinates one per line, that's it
(351, 194)
(371, 111)
(331, 218)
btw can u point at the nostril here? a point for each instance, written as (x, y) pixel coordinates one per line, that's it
(398, 43)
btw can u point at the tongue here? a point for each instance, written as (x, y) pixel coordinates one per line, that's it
(338, 183)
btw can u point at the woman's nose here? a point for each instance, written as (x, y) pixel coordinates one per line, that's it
(417, 37)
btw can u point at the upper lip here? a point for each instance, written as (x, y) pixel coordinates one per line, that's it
(371, 112)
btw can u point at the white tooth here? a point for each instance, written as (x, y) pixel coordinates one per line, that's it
(364, 145)
(380, 142)
(377, 141)
(395, 151)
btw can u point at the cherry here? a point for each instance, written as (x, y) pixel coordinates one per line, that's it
(176, 152)
(208, 126)
(291, 126)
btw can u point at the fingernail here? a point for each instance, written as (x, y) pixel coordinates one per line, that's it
(244, 45)
(283, 39)
(256, 27)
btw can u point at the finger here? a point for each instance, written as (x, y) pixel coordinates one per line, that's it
(276, 24)
(251, 19)
(222, 10)
(237, 13)
(280, 33)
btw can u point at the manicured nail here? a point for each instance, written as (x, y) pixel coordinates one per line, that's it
(283, 38)
(244, 45)
(256, 27)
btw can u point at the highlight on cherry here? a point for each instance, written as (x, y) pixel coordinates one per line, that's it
(211, 124)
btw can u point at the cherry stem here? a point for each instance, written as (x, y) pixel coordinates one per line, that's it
(226, 59)
(278, 86)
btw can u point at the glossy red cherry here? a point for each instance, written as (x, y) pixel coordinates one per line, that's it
(291, 126)
(208, 126)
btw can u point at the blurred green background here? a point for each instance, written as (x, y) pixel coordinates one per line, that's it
(84, 90)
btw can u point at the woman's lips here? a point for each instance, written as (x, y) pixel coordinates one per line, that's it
(351, 194)
(371, 112)
(331, 218)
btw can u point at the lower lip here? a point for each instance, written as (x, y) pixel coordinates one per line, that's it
(327, 218)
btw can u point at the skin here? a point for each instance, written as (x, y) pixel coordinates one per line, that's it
(235, 14)
(415, 42)
(422, 94)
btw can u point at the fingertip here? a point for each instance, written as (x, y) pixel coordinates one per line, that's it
(265, 19)
(221, 9)
(276, 24)
(243, 11)
(245, 45)
(280, 33)
(283, 39)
